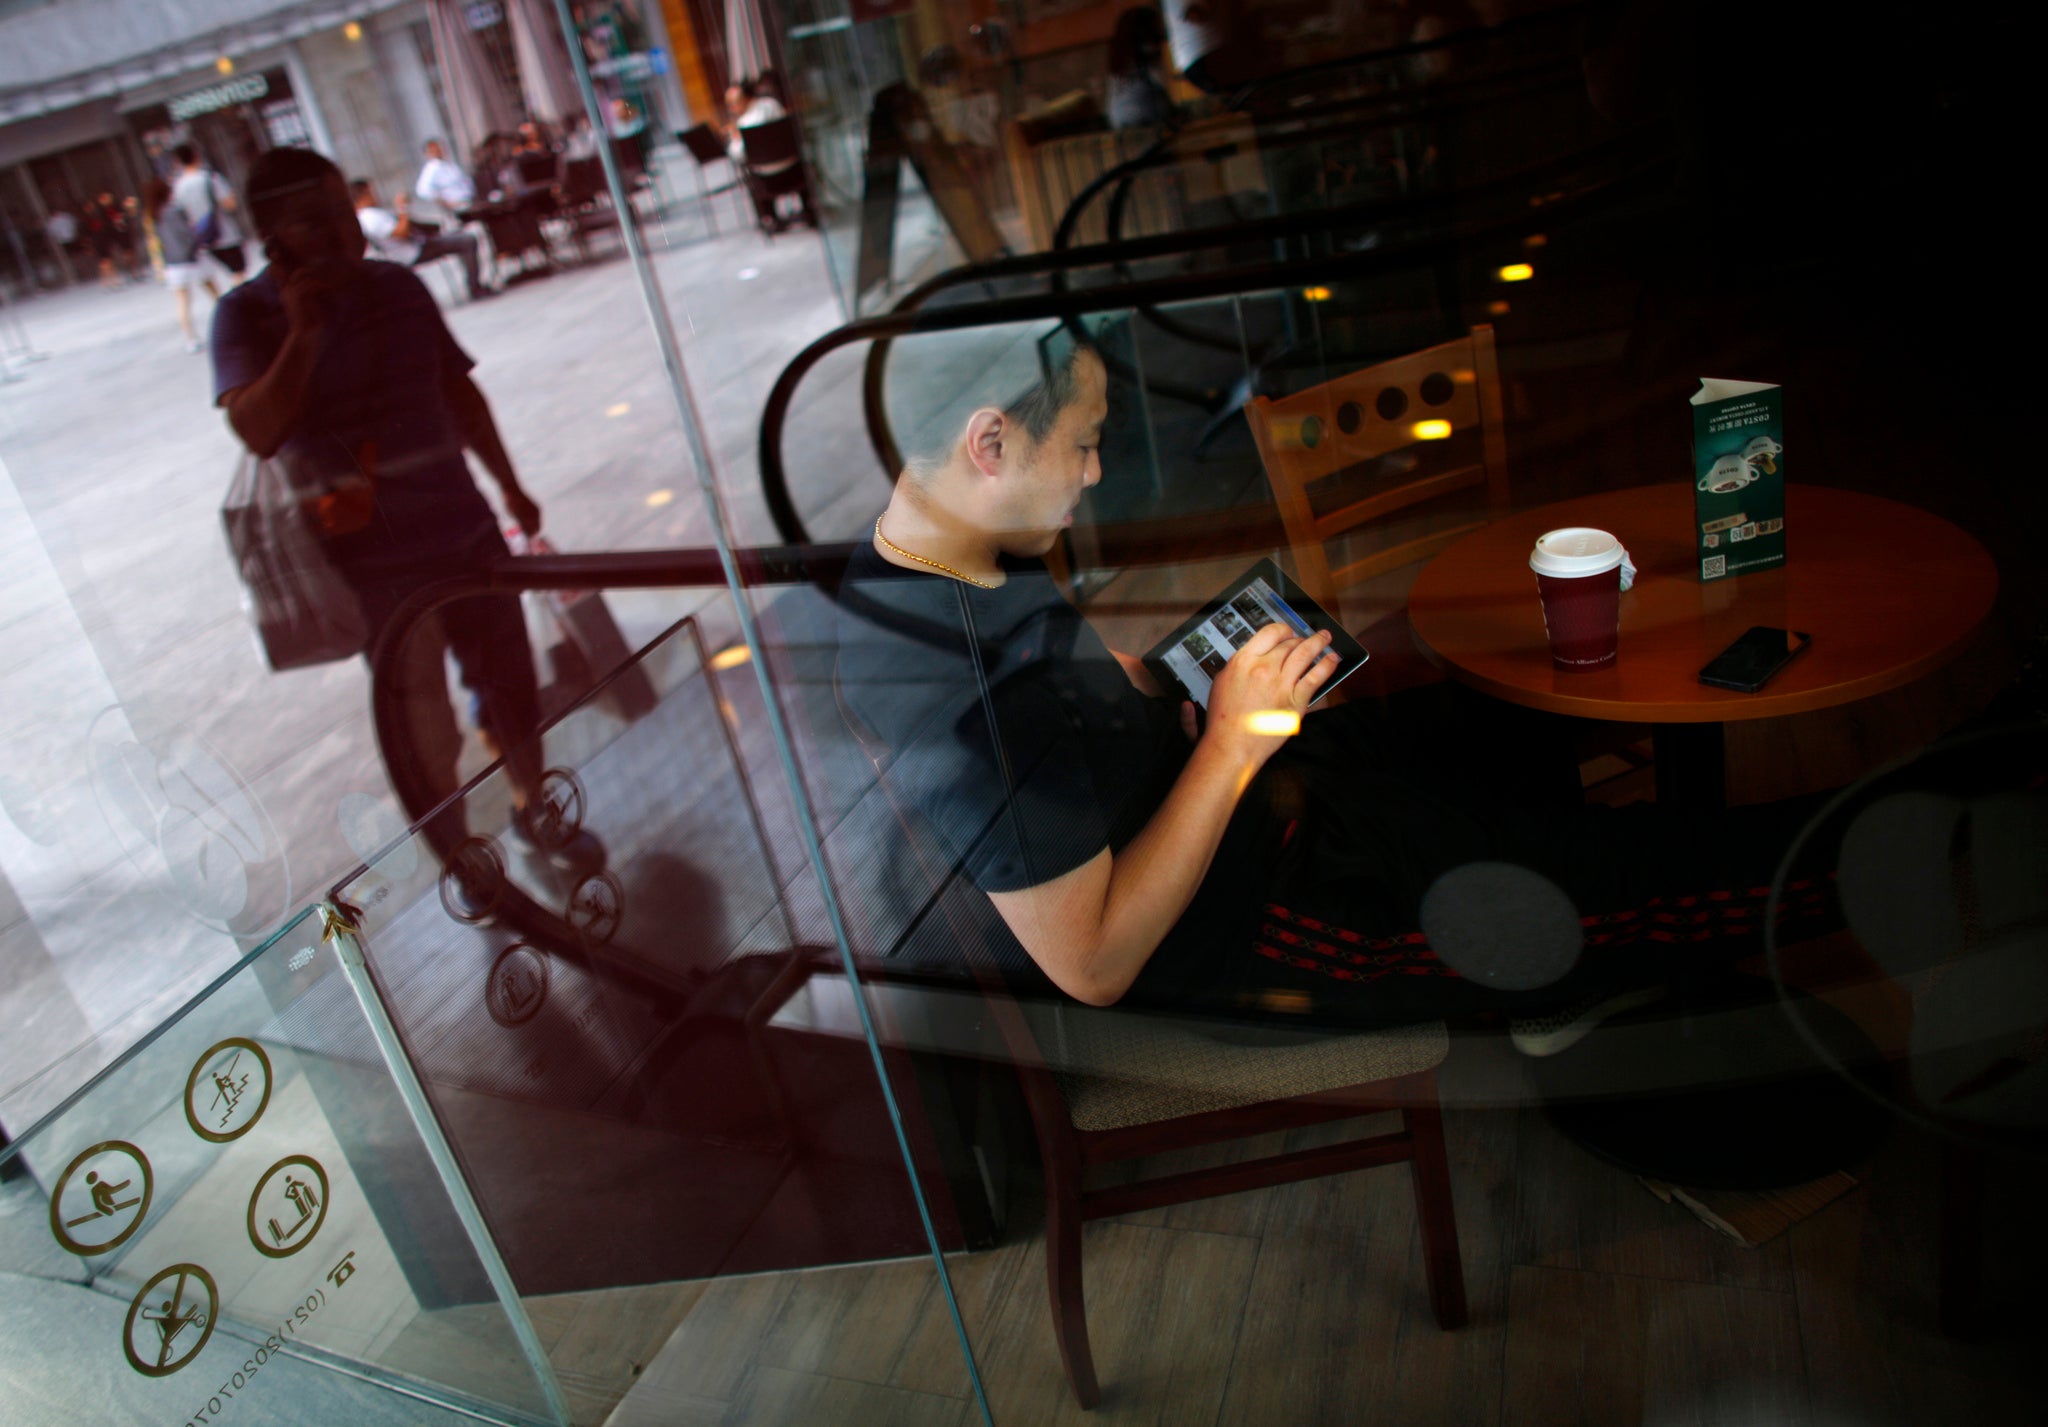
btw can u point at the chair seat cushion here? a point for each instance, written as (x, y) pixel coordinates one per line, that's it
(1123, 1068)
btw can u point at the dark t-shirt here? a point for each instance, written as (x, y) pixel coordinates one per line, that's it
(1025, 749)
(378, 405)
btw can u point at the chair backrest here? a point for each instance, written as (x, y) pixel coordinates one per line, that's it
(627, 155)
(771, 143)
(582, 181)
(537, 168)
(704, 144)
(1311, 441)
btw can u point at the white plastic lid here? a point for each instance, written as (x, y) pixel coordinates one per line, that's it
(1575, 550)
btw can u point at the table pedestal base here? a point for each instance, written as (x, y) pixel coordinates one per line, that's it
(1732, 1098)
(1692, 766)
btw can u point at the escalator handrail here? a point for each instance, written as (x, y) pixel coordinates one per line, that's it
(1116, 253)
(1335, 267)
(684, 568)
(694, 567)
(1415, 107)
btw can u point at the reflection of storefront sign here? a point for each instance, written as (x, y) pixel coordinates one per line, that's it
(242, 89)
(286, 124)
(631, 67)
(482, 14)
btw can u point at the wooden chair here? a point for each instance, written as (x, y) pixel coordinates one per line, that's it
(1309, 440)
(1311, 443)
(1104, 1086)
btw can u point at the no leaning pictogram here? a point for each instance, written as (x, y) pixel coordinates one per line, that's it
(101, 1198)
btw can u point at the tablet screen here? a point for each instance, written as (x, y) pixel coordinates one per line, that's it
(1196, 652)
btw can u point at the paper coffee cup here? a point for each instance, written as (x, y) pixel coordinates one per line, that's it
(1578, 578)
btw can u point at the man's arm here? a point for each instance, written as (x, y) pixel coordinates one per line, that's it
(266, 411)
(480, 434)
(1091, 930)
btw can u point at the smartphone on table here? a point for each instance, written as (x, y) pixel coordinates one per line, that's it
(1751, 661)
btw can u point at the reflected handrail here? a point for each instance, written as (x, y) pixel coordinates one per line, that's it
(1564, 197)
(684, 568)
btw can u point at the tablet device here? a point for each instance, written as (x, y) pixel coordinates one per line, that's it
(1190, 657)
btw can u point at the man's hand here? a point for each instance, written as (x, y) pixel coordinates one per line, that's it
(310, 293)
(519, 505)
(1275, 672)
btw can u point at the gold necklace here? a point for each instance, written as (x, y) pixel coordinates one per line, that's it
(942, 569)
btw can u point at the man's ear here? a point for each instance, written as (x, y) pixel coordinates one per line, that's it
(986, 431)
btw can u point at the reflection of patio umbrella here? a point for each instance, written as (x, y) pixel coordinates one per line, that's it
(477, 102)
(746, 40)
(544, 71)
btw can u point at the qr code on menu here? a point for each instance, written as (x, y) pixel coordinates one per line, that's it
(1713, 567)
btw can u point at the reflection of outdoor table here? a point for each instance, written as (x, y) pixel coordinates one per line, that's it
(1727, 1096)
(513, 222)
(1888, 593)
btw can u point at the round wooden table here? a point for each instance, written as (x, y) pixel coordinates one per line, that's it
(1888, 593)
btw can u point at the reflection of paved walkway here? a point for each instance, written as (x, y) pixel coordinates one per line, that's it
(115, 592)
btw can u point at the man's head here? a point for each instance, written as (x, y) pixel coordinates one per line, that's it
(362, 193)
(433, 149)
(302, 209)
(1015, 471)
(186, 155)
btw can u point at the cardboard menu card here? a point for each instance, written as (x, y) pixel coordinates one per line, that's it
(1738, 454)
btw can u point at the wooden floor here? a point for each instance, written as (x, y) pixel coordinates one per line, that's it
(1592, 1302)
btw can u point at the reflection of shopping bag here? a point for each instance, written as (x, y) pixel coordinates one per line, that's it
(303, 610)
(586, 644)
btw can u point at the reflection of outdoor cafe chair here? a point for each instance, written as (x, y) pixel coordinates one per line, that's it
(775, 164)
(1940, 866)
(1104, 1086)
(586, 202)
(706, 148)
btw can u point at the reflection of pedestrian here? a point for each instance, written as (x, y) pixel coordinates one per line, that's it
(331, 362)
(106, 228)
(186, 264)
(213, 209)
(1137, 95)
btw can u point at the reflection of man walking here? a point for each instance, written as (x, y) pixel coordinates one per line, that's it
(329, 361)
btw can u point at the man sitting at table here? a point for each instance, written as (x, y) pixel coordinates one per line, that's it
(395, 238)
(442, 183)
(1358, 874)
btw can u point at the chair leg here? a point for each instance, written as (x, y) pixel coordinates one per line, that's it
(1438, 1220)
(1063, 1278)
(1962, 1242)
